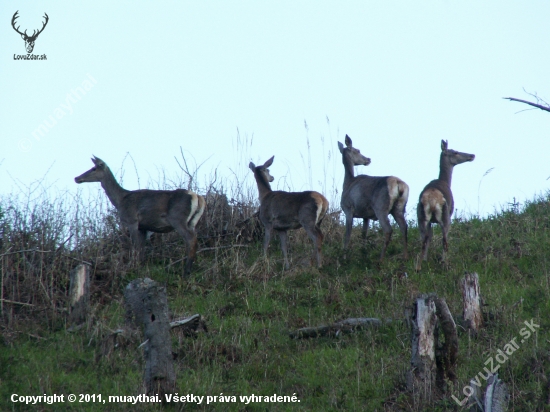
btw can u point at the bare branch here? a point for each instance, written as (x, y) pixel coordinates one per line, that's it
(16, 303)
(538, 106)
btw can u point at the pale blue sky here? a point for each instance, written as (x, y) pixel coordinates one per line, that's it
(397, 76)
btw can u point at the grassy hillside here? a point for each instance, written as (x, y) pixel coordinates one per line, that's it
(249, 304)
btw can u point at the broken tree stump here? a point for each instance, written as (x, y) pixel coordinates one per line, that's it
(471, 298)
(446, 353)
(421, 377)
(146, 304)
(129, 334)
(473, 400)
(335, 329)
(79, 295)
(496, 395)
(433, 361)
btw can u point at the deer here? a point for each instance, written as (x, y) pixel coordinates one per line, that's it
(281, 211)
(142, 211)
(29, 40)
(436, 203)
(371, 198)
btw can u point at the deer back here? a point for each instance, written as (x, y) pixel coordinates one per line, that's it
(290, 210)
(153, 209)
(369, 193)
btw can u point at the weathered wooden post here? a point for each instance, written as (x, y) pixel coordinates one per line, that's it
(496, 395)
(79, 295)
(421, 377)
(474, 400)
(433, 361)
(146, 304)
(471, 298)
(446, 353)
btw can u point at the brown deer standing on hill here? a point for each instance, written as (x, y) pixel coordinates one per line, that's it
(281, 211)
(159, 211)
(436, 203)
(372, 197)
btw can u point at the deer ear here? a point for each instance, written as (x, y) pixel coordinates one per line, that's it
(341, 147)
(252, 166)
(347, 141)
(98, 162)
(444, 144)
(269, 162)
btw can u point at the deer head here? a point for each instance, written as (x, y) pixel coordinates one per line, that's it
(263, 170)
(95, 174)
(352, 153)
(29, 40)
(452, 157)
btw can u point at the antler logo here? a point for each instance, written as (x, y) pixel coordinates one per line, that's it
(29, 40)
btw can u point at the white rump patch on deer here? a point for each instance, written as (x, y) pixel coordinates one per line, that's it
(194, 205)
(433, 201)
(393, 188)
(395, 185)
(197, 209)
(320, 206)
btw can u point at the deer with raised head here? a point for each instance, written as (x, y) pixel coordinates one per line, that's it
(143, 211)
(436, 204)
(281, 211)
(372, 197)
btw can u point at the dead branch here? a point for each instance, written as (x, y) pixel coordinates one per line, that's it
(191, 322)
(13, 302)
(344, 326)
(242, 222)
(538, 106)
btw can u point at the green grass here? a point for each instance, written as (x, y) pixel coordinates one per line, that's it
(249, 305)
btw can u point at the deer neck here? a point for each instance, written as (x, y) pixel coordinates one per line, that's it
(445, 171)
(264, 188)
(349, 176)
(113, 190)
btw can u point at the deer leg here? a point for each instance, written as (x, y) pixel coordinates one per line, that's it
(422, 226)
(445, 226)
(386, 227)
(400, 219)
(284, 246)
(365, 228)
(426, 236)
(426, 241)
(349, 224)
(190, 238)
(316, 236)
(267, 238)
(425, 228)
(138, 239)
